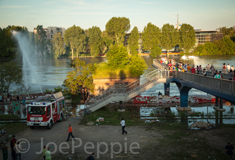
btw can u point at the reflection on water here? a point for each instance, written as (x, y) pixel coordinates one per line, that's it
(206, 114)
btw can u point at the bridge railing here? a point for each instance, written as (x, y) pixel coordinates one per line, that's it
(222, 85)
(158, 65)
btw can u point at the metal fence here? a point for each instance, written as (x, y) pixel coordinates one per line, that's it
(222, 85)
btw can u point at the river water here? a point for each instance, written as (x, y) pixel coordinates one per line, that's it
(52, 72)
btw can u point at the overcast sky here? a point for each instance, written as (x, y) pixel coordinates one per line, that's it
(201, 14)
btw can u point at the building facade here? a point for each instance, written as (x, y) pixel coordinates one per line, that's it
(207, 36)
(51, 31)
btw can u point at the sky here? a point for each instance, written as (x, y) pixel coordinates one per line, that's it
(201, 14)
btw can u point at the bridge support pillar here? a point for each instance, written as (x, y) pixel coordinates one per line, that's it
(167, 89)
(184, 96)
(221, 103)
(216, 101)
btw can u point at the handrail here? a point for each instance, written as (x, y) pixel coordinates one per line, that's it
(131, 88)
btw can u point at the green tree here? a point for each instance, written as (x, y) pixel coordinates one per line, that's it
(169, 38)
(106, 41)
(41, 40)
(116, 28)
(133, 43)
(137, 65)
(10, 73)
(8, 44)
(156, 50)
(227, 32)
(58, 45)
(95, 40)
(117, 56)
(75, 37)
(150, 36)
(187, 37)
(80, 77)
(225, 46)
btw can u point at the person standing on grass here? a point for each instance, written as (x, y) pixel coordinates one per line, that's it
(48, 154)
(4, 151)
(12, 145)
(229, 151)
(123, 126)
(70, 132)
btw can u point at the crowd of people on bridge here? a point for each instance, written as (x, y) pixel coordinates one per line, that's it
(172, 65)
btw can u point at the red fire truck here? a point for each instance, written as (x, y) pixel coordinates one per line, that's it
(46, 110)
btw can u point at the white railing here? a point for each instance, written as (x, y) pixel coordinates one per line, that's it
(130, 90)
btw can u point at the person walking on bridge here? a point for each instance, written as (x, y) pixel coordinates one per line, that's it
(228, 68)
(208, 67)
(224, 68)
(70, 132)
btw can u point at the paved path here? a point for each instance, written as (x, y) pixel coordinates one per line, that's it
(57, 134)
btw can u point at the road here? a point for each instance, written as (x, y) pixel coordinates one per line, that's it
(57, 134)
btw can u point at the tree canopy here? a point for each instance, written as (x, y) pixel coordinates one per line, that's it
(81, 76)
(8, 44)
(117, 56)
(94, 40)
(58, 45)
(187, 37)
(169, 38)
(133, 43)
(41, 40)
(137, 65)
(116, 28)
(150, 36)
(10, 73)
(75, 37)
(221, 47)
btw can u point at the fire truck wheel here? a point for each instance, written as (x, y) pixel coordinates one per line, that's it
(50, 125)
(31, 127)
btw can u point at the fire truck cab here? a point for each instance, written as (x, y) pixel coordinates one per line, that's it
(46, 110)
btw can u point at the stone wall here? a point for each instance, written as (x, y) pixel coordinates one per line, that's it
(103, 84)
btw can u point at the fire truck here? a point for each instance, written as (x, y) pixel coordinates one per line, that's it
(46, 110)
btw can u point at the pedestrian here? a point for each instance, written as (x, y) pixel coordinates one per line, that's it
(188, 68)
(5, 151)
(12, 145)
(123, 126)
(18, 149)
(234, 75)
(91, 157)
(208, 67)
(197, 69)
(212, 68)
(48, 154)
(70, 132)
(228, 68)
(44, 152)
(224, 68)
(217, 75)
(230, 75)
(229, 151)
(221, 75)
(193, 70)
(204, 72)
(232, 68)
